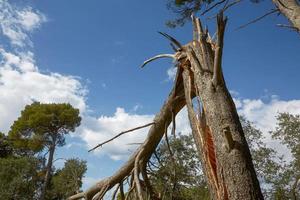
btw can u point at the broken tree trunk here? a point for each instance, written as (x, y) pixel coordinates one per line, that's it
(216, 128)
(223, 150)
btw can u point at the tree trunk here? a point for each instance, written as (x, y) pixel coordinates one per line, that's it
(294, 188)
(216, 128)
(291, 10)
(48, 172)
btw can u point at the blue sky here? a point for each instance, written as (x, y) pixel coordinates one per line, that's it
(88, 53)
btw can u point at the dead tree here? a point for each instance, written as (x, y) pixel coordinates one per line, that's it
(218, 134)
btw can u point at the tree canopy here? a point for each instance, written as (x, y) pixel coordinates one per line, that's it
(41, 125)
(185, 8)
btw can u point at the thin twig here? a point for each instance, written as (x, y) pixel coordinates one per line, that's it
(173, 124)
(136, 143)
(213, 6)
(136, 175)
(225, 7)
(173, 40)
(231, 4)
(287, 26)
(258, 18)
(168, 144)
(130, 130)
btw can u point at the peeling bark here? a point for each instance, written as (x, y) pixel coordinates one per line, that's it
(229, 169)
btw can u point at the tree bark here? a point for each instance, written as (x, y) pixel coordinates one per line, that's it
(48, 171)
(291, 10)
(224, 152)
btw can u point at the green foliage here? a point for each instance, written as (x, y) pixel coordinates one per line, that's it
(5, 146)
(68, 180)
(183, 9)
(264, 158)
(19, 178)
(277, 178)
(181, 178)
(288, 132)
(42, 124)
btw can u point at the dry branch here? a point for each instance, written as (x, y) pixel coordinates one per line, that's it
(157, 57)
(258, 18)
(174, 102)
(122, 133)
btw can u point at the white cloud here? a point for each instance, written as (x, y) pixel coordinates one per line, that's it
(16, 23)
(171, 72)
(21, 83)
(263, 115)
(97, 130)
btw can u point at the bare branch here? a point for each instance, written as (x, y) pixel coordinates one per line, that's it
(77, 196)
(168, 144)
(122, 195)
(157, 57)
(173, 47)
(136, 176)
(287, 26)
(258, 18)
(100, 195)
(217, 76)
(129, 192)
(173, 40)
(213, 6)
(196, 30)
(147, 181)
(115, 192)
(173, 125)
(231, 4)
(135, 143)
(130, 130)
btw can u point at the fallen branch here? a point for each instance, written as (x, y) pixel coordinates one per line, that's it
(122, 133)
(175, 102)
